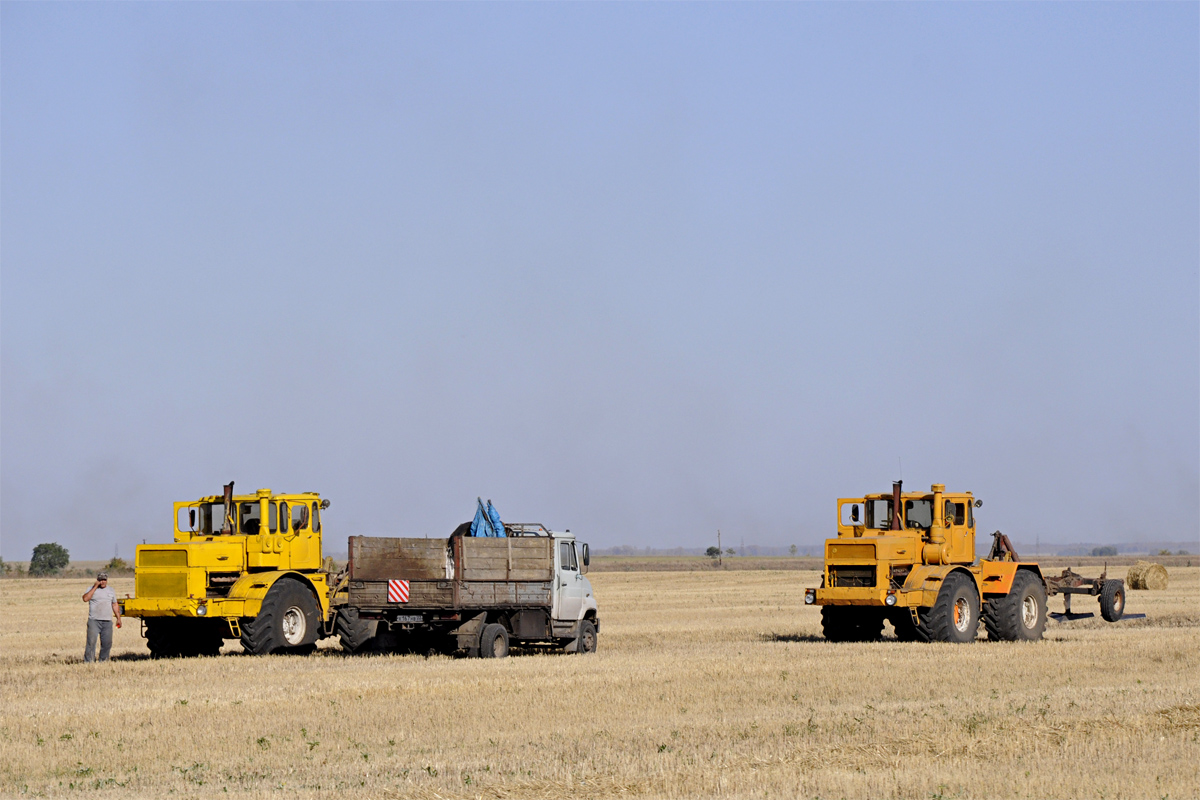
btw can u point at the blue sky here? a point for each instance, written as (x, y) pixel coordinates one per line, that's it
(638, 270)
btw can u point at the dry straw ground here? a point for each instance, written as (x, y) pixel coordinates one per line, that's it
(706, 684)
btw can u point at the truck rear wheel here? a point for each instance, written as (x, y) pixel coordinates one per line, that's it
(955, 614)
(493, 642)
(287, 622)
(1112, 599)
(1020, 615)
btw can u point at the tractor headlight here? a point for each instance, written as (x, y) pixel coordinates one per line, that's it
(202, 611)
(891, 599)
(810, 597)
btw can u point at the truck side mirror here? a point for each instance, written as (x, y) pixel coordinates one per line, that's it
(854, 513)
(587, 556)
(303, 521)
(192, 518)
(979, 504)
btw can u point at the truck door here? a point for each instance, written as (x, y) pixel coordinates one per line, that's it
(569, 582)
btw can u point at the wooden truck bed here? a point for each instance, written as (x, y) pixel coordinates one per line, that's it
(461, 572)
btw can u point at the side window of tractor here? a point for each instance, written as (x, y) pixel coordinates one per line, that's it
(316, 518)
(272, 518)
(297, 512)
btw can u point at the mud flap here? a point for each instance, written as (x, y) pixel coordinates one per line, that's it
(573, 645)
(468, 633)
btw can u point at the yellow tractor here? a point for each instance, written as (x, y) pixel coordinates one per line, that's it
(909, 558)
(243, 567)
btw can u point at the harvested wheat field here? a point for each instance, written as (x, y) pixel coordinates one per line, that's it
(706, 684)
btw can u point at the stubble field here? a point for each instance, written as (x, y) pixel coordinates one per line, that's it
(706, 684)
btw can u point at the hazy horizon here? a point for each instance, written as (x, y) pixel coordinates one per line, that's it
(640, 271)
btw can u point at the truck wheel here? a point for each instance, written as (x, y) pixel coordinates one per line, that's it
(1112, 599)
(1020, 615)
(955, 614)
(493, 642)
(355, 633)
(587, 637)
(287, 621)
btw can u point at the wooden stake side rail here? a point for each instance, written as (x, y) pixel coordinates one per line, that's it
(507, 572)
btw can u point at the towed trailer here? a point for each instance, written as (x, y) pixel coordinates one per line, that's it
(1111, 592)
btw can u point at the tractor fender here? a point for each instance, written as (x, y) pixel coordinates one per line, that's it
(252, 587)
(927, 579)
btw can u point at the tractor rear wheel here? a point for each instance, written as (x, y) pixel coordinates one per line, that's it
(356, 634)
(288, 621)
(1020, 615)
(1112, 599)
(954, 616)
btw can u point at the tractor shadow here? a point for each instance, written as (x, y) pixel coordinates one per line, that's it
(790, 637)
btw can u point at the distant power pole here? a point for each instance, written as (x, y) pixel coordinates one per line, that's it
(720, 556)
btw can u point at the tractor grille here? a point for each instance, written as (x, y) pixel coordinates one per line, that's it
(162, 558)
(845, 576)
(162, 584)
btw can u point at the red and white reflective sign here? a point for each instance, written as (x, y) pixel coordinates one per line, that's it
(397, 591)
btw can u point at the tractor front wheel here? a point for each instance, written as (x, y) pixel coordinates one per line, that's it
(954, 616)
(288, 622)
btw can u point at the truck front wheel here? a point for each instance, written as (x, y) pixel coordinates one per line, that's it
(587, 637)
(287, 622)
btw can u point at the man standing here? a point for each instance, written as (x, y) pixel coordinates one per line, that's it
(102, 606)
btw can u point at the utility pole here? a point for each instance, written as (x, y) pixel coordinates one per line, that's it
(720, 552)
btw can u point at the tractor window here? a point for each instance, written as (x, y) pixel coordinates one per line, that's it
(918, 513)
(296, 512)
(272, 514)
(956, 512)
(316, 518)
(970, 516)
(211, 518)
(879, 514)
(251, 519)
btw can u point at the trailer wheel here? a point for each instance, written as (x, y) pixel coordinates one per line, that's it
(1020, 615)
(587, 637)
(354, 632)
(1112, 599)
(954, 616)
(493, 642)
(287, 621)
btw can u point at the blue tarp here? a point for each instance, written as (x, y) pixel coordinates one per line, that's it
(487, 520)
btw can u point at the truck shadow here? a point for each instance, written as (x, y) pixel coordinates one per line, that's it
(791, 637)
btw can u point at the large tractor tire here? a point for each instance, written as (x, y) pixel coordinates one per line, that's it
(954, 616)
(1112, 599)
(851, 624)
(1020, 615)
(288, 622)
(171, 637)
(356, 635)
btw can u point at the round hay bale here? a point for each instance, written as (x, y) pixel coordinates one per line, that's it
(1147, 575)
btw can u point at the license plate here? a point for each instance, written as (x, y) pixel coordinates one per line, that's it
(409, 618)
